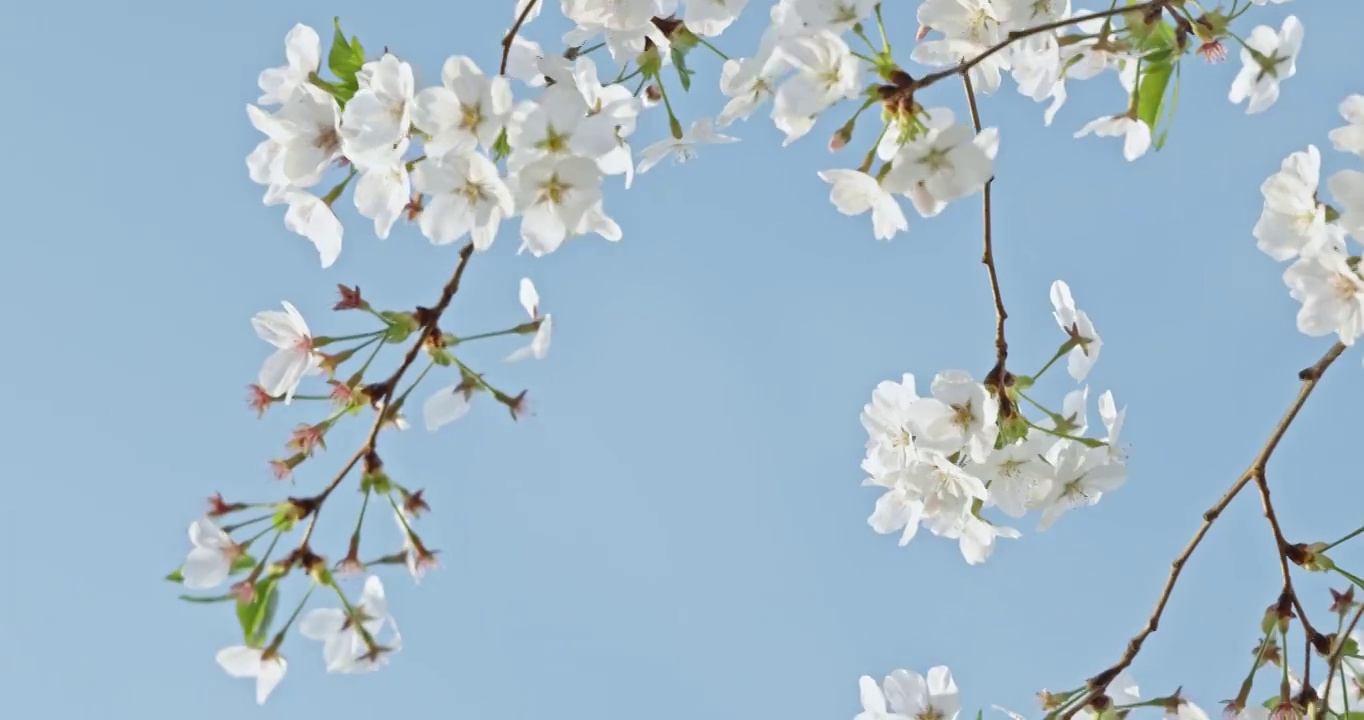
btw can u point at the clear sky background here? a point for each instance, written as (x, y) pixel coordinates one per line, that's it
(679, 531)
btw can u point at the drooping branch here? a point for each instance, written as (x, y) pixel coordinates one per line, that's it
(998, 379)
(1309, 376)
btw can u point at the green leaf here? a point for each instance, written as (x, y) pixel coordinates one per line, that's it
(242, 564)
(1170, 115)
(1270, 703)
(255, 616)
(683, 72)
(214, 599)
(345, 60)
(1350, 647)
(1151, 93)
(176, 576)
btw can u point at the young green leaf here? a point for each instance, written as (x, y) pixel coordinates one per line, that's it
(345, 60)
(254, 616)
(176, 576)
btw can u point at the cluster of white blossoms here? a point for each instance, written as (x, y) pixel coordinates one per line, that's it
(944, 458)
(536, 142)
(1296, 225)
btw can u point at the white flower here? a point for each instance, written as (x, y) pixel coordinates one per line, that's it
(447, 405)
(539, 345)
(245, 662)
(1331, 293)
(899, 507)
(962, 414)
(1292, 222)
(892, 419)
(1267, 59)
(944, 488)
(553, 127)
(384, 188)
(976, 538)
(827, 72)
(711, 17)
(1082, 476)
(294, 359)
(1077, 325)
(210, 560)
(313, 219)
(947, 164)
(838, 16)
(302, 48)
(466, 110)
(553, 194)
(1351, 137)
(344, 649)
(1017, 477)
(466, 197)
(1136, 133)
(380, 114)
(968, 27)
(308, 130)
(912, 695)
(855, 192)
(874, 702)
(1348, 187)
(702, 132)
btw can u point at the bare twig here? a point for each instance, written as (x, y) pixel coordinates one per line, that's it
(1310, 377)
(1281, 547)
(429, 328)
(997, 378)
(511, 34)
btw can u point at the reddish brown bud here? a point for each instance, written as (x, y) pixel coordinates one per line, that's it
(350, 299)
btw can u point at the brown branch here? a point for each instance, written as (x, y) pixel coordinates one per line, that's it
(430, 327)
(1309, 376)
(998, 378)
(966, 66)
(511, 34)
(1281, 547)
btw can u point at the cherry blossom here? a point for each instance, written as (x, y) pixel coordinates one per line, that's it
(294, 358)
(263, 664)
(1267, 59)
(303, 48)
(210, 561)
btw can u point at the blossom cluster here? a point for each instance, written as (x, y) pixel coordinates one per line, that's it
(1295, 225)
(536, 142)
(944, 458)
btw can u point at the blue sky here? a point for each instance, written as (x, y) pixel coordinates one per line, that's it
(679, 531)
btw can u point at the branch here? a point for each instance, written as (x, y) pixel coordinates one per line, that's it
(966, 66)
(511, 34)
(1310, 377)
(998, 377)
(430, 328)
(1281, 546)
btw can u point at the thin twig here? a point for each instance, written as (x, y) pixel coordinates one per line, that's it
(511, 34)
(966, 66)
(429, 329)
(1310, 377)
(1281, 547)
(996, 378)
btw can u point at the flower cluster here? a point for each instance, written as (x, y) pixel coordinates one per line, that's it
(944, 458)
(536, 142)
(1297, 226)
